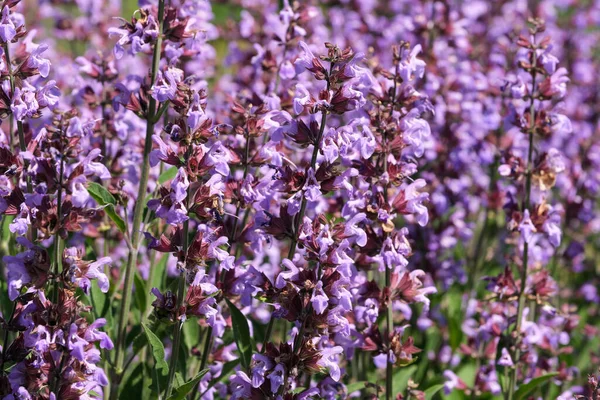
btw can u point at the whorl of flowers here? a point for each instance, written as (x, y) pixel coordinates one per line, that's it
(260, 199)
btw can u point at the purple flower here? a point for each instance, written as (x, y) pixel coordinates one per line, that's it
(226, 260)
(329, 361)
(505, 360)
(276, 377)
(292, 272)
(415, 201)
(352, 230)
(410, 66)
(36, 61)
(24, 103)
(261, 365)
(76, 344)
(165, 87)
(319, 299)
(92, 334)
(301, 98)
(79, 193)
(305, 60)
(94, 168)
(526, 227)
(241, 386)
(48, 95)
(7, 27)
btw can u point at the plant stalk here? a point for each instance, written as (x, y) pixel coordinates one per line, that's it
(525, 206)
(137, 216)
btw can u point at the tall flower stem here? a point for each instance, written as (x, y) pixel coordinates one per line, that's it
(20, 130)
(180, 293)
(296, 227)
(57, 239)
(137, 215)
(389, 318)
(234, 244)
(525, 206)
(178, 324)
(294, 244)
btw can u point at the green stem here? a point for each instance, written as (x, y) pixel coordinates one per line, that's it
(525, 206)
(123, 319)
(21, 131)
(57, 240)
(206, 349)
(178, 324)
(296, 227)
(389, 386)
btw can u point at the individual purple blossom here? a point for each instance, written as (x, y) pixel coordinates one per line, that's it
(526, 227)
(276, 377)
(505, 360)
(36, 61)
(7, 27)
(165, 87)
(328, 361)
(352, 229)
(410, 67)
(261, 365)
(24, 103)
(319, 299)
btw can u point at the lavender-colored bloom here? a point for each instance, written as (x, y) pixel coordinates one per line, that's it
(36, 61)
(7, 27)
(353, 230)
(24, 103)
(505, 360)
(526, 227)
(277, 377)
(319, 299)
(328, 361)
(262, 364)
(165, 87)
(410, 66)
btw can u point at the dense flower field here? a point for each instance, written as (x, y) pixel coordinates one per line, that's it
(259, 199)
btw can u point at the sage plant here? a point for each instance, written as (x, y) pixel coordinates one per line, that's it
(257, 199)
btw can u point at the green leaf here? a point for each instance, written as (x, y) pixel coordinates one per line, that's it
(167, 175)
(158, 352)
(104, 198)
(241, 334)
(355, 387)
(116, 218)
(401, 377)
(99, 301)
(455, 318)
(178, 380)
(160, 274)
(187, 387)
(191, 333)
(132, 386)
(101, 194)
(431, 391)
(140, 293)
(526, 389)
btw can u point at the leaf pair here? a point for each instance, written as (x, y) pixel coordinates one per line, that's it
(161, 368)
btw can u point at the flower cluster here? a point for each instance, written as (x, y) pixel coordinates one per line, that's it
(299, 200)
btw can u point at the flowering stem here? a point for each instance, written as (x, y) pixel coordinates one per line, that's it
(298, 221)
(389, 385)
(20, 130)
(57, 240)
(137, 214)
(525, 206)
(180, 292)
(313, 163)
